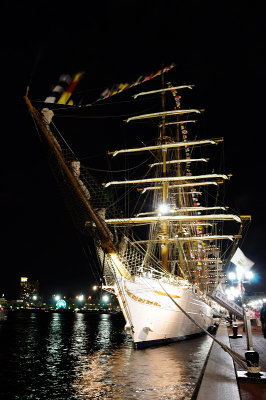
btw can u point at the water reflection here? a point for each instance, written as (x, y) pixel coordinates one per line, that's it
(168, 372)
(84, 356)
(92, 366)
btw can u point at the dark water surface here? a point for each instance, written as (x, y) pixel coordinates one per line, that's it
(89, 356)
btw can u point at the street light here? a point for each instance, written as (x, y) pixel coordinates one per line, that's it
(232, 276)
(105, 298)
(249, 275)
(232, 292)
(240, 274)
(243, 265)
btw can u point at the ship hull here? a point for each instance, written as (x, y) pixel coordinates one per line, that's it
(165, 341)
(153, 318)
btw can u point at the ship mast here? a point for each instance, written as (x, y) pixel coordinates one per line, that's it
(180, 230)
(164, 232)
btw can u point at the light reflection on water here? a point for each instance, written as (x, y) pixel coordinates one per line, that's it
(89, 356)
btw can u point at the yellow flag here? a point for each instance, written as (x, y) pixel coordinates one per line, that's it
(69, 91)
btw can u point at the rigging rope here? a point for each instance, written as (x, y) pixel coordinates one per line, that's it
(120, 170)
(146, 110)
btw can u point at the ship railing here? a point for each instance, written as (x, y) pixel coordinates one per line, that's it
(136, 263)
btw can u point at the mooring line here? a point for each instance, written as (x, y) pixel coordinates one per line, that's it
(238, 358)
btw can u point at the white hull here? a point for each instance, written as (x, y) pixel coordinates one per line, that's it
(153, 318)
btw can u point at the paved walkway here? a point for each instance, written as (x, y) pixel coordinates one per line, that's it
(250, 391)
(219, 379)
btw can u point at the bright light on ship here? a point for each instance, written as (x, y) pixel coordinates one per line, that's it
(81, 297)
(119, 266)
(163, 208)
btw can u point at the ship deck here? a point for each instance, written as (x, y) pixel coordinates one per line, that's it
(219, 378)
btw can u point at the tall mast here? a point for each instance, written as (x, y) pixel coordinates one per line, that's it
(164, 233)
(180, 230)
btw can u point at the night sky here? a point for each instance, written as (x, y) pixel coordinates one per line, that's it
(216, 46)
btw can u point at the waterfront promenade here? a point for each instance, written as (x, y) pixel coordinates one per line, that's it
(219, 380)
(248, 390)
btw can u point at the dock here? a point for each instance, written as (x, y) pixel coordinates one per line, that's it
(219, 379)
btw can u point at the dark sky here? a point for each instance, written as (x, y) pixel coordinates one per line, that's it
(217, 46)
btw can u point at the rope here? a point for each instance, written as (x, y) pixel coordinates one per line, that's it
(120, 170)
(238, 358)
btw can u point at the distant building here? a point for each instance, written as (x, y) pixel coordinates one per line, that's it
(2, 300)
(28, 288)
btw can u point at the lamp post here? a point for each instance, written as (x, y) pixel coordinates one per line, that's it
(105, 298)
(96, 295)
(243, 265)
(239, 275)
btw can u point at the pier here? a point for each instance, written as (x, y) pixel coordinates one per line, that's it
(220, 378)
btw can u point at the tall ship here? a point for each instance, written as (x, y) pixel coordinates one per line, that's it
(164, 252)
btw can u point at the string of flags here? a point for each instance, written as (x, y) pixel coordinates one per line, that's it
(199, 228)
(66, 95)
(175, 95)
(63, 82)
(62, 92)
(120, 87)
(184, 132)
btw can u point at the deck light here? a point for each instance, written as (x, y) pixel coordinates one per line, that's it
(163, 208)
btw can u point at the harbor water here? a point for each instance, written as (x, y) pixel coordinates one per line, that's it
(67, 356)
